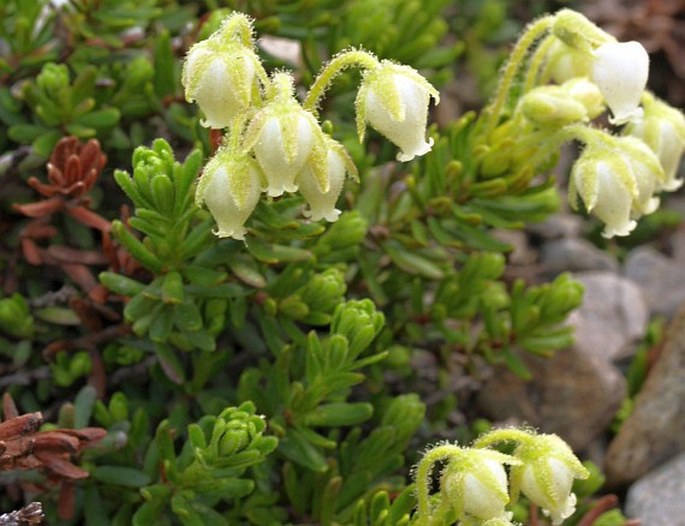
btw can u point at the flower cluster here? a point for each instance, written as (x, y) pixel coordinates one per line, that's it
(475, 488)
(618, 175)
(275, 144)
(574, 72)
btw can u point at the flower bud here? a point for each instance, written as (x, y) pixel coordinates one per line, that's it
(15, 316)
(587, 93)
(551, 107)
(321, 181)
(663, 130)
(546, 475)
(577, 32)
(230, 186)
(565, 62)
(620, 70)
(283, 135)
(220, 76)
(394, 100)
(476, 484)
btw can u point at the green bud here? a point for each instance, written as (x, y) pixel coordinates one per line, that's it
(577, 32)
(551, 107)
(15, 317)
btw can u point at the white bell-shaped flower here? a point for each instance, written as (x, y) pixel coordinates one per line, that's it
(283, 136)
(394, 100)
(546, 475)
(620, 70)
(663, 129)
(548, 484)
(220, 76)
(322, 179)
(607, 187)
(230, 187)
(476, 484)
(647, 173)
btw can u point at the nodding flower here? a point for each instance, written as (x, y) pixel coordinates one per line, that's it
(283, 136)
(546, 475)
(663, 129)
(322, 179)
(230, 187)
(616, 178)
(620, 70)
(220, 73)
(394, 100)
(475, 483)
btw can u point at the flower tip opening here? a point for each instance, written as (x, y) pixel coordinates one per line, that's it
(626, 117)
(420, 150)
(237, 233)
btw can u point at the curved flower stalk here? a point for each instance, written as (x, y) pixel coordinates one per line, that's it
(545, 470)
(473, 486)
(322, 179)
(620, 70)
(221, 72)
(394, 100)
(283, 135)
(663, 129)
(230, 187)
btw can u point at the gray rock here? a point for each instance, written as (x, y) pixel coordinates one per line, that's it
(576, 392)
(661, 279)
(521, 253)
(678, 245)
(557, 226)
(575, 255)
(657, 498)
(573, 394)
(613, 315)
(655, 430)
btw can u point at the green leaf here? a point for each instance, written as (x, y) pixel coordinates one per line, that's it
(297, 448)
(44, 144)
(165, 74)
(172, 288)
(83, 406)
(25, 133)
(170, 364)
(121, 284)
(516, 365)
(161, 325)
(412, 263)
(121, 476)
(99, 119)
(339, 414)
(137, 249)
(187, 316)
(277, 253)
